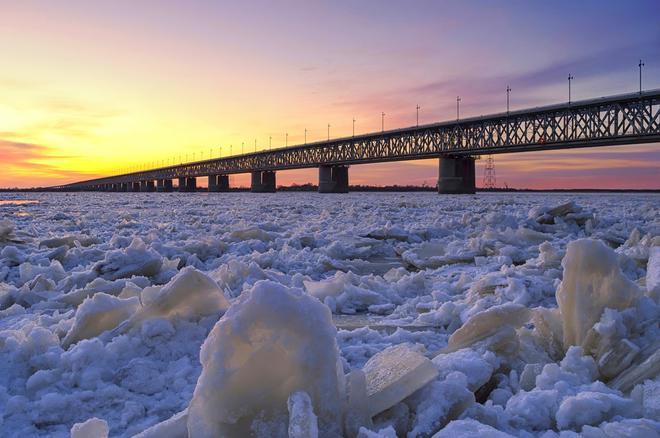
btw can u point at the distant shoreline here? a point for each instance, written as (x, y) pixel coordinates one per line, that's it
(402, 189)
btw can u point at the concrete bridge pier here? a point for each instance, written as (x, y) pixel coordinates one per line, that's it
(333, 179)
(218, 183)
(191, 184)
(123, 187)
(135, 187)
(213, 183)
(164, 185)
(147, 186)
(223, 183)
(456, 175)
(263, 181)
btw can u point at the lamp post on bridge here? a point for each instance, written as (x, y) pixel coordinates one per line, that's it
(328, 131)
(270, 141)
(382, 122)
(353, 126)
(286, 140)
(570, 78)
(641, 64)
(305, 135)
(458, 103)
(508, 90)
(417, 108)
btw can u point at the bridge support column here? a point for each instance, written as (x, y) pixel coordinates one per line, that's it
(218, 183)
(213, 183)
(164, 185)
(333, 179)
(135, 187)
(147, 186)
(223, 183)
(123, 187)
(263, 181)
(456, 175)
(191, 184)
(182, 184)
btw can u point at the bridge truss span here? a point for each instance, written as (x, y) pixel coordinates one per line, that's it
(615, 120)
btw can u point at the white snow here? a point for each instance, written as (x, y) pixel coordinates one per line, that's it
(538, 314)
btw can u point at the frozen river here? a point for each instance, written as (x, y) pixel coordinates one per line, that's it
(80, 277)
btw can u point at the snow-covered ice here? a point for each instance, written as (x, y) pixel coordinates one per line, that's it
(173, 315)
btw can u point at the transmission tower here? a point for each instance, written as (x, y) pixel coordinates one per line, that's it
(489, 173)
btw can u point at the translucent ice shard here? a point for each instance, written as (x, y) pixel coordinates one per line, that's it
(618, 358)
(637, 373)
(357, 411)
(592, 281)
(302, 421)
(173, 427)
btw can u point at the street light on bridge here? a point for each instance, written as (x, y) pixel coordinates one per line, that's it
(382, 122)
(641, 64)
(328, 131)
(286, 139)
(508, 90)
(353, 126)
(458, 101)
(570, 78)
(417, 108)
(305, 135)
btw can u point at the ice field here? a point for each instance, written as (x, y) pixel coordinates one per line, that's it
(302, 315)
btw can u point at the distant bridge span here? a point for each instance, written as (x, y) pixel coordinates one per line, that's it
(607, 121)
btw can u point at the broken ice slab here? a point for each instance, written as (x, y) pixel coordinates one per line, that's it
(97, 314)
(637, 373)
(174, 427)
(302, 421)
(357, 411)
(394, 374)
(651, 399)
(653, 273)
(375, 322)
(92, 428)
(614, 361)
(487, 323)
(434, 255)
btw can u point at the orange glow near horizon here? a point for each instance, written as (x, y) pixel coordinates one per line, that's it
(92, 90)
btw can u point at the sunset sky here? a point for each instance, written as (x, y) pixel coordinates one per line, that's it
(91, 88)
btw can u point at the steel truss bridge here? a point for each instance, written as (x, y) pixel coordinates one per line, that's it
(607, 121)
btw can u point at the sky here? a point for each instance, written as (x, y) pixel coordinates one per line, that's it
(97, 88)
